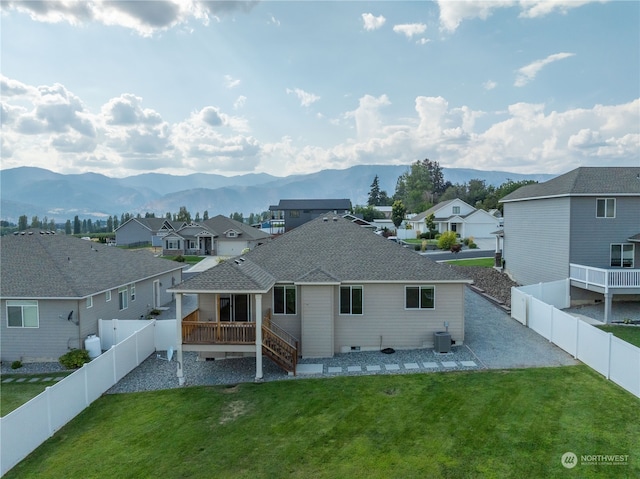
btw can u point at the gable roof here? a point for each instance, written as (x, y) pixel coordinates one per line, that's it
(220, 224)
(60, 266)
(317, 204)
(328, 249)
(435, 208)
(583, 181)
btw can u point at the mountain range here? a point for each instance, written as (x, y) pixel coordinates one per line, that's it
(39, 192)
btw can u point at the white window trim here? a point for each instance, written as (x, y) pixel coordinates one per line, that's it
(284, 299)
(419, 286)
(351, 288)
(90, 302)
(123, 292)
(622, 245)
(606, 200)
(22, 304)
(107, 296)
(132, 289)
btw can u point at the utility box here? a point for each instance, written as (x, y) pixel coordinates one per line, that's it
(442, 342)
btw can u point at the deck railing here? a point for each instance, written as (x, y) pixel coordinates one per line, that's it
(605, 278)
(218, 332)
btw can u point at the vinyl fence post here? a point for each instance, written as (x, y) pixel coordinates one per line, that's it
(609, 356)
(137, 333)
(86, 384)
(49, 419)
(577, 320)
(115, 373)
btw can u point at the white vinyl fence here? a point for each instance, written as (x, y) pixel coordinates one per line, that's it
(25, 428)
(612, 357)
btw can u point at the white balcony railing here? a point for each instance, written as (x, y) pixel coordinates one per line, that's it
(605, 278)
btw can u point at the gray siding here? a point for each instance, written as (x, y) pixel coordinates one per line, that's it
(132, 232)
(385, 321)
(317, 321)
(536, 240)
(591, 237)
(55, 335)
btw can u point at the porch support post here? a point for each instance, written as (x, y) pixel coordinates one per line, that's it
(258, 313)
(608, 297)
(180, 372)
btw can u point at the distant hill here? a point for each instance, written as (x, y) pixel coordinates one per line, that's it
(36, 191)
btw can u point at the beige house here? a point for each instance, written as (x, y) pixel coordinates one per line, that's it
(326, 287)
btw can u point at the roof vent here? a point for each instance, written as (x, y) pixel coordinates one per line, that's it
(335, 218)
(325, 219)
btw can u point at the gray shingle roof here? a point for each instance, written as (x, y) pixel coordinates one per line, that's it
(221, 223)
(583, 181)
(60, 266)
(335, 250)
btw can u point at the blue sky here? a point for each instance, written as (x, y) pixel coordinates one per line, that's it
(183, 86)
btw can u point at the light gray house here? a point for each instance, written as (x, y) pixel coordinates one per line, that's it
(583, 225)
(219, 236)
(54, 288)
(325, 287)
(140, 231)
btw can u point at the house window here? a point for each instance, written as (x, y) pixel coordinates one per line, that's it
(123, 298)
(284, 299)
(133, 292)
(192, 244)
(456, 210)
(107, 296)
(231, 234)
(350, 299)
(173, 244)
(605, 208)
(90, 302)
(622, 255)
(22, 314)
(419, 297)
(294, 214)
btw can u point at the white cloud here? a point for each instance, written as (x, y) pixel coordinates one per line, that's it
(529, 72)
(231, 82)
(453, 13)
(371, 22)
(306, 99)
(144, 17)
(368, 119)
(240, 102)
(489, 85)
(410, 29)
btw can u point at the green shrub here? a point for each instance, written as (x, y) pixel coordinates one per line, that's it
(179, 259)
(447, 240)
(16, 364)
(74, 358)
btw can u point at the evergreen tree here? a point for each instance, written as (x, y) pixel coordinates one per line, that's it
(109, 224)
(398, 211)
(76, 225)
(205, 215)
(22, 223)
(67, 227)
(374, 192)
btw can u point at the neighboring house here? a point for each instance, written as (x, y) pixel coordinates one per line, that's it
(583, 225)
(218, 236)
(326, 287)
(54, 288)
(298, 212)
(141, 231)
(462, 218)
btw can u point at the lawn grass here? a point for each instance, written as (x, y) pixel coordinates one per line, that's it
(483, 262)
(13, 395)
(630, 334)
(189, 259)
(515, 423)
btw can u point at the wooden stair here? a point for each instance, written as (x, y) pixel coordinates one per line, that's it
(279, 346)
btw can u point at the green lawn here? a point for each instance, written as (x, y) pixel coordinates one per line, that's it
(14, 395)
(484, 262)
(189, 259)
(630, 334)
(515, 423)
